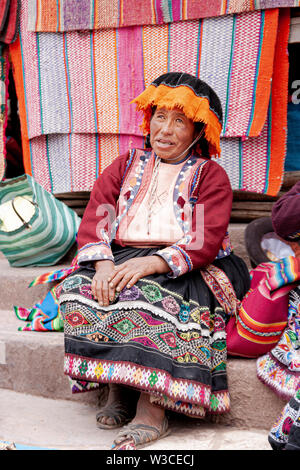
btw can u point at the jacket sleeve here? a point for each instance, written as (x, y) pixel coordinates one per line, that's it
(286, 214)
(209, 223)
(93, 237)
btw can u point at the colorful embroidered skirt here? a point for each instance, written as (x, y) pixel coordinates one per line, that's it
(163, 336)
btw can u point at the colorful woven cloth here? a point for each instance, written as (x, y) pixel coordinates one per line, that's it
(280, 368)
(43, 316)
(66, 15)
(285, 433)
(61, 115)
(280, 371)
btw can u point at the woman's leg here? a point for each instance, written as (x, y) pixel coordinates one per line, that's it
(147, 414)
(119, 407)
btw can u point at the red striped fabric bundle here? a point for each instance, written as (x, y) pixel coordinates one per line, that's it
(263, 313)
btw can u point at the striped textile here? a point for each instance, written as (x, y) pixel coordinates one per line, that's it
(43, 316)
(52, 230)
(67, 15)
(233, 54)
(257, 164)
(74, 91)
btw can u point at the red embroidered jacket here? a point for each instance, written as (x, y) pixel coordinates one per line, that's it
(204, 188)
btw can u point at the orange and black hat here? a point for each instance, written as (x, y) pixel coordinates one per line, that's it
(195, 98)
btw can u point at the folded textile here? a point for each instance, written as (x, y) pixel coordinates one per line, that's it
(43, 316)
(66, 15)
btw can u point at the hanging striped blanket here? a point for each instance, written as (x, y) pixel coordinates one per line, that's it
(83, 82)
(75, 88)
(67, 15)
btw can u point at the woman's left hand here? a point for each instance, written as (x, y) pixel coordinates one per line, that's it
(129, 272)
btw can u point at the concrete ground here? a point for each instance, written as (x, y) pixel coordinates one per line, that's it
(34, 421)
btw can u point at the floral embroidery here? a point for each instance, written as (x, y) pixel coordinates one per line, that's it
(129, 294)
(75, 319)
(86, 291)
(152, 293)
(184, 314)
(71, 283)
(170, 305)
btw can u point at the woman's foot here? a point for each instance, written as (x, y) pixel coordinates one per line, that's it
(148, 425)
(118, 410)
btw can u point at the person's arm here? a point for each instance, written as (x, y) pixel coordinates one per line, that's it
(209, 225)
(286, 214)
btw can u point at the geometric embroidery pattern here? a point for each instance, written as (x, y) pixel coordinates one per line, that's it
(124, 327)
(162, 322)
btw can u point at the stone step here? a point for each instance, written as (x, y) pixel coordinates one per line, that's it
(30, 422)
(32, 363)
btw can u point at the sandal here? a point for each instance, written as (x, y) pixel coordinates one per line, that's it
(118, 411)
(142, 435)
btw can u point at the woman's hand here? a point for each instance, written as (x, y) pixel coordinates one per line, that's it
(100, 287)
(129, 272)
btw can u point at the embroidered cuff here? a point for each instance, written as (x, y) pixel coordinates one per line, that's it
(177, 259)
(94, 252)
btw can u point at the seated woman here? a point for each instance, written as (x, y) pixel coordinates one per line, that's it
(158, 280)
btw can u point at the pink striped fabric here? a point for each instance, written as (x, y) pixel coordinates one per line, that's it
(246, 55)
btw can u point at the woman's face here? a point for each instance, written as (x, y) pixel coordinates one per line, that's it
(171, 133)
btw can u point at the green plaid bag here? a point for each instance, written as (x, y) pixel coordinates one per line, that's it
(44, 238)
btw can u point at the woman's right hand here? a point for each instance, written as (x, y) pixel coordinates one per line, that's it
(101, 289)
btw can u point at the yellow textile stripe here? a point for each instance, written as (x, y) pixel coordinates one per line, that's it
(254, 339)
(250, 321)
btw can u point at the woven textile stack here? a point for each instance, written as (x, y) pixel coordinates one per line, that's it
(77, 69)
